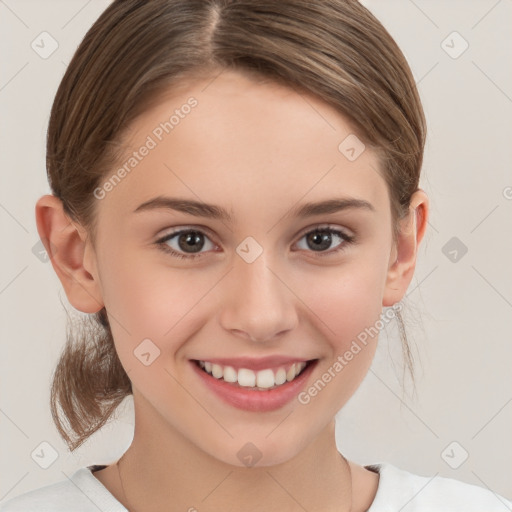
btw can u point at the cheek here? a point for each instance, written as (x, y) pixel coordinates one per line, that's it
(346, 305)
(345, 299)
(146, 300)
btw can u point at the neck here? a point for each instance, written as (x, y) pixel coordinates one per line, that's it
(162, 470)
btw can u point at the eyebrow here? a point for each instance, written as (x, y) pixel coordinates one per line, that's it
(200, 209)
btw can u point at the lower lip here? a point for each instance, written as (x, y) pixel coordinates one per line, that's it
(255, 400)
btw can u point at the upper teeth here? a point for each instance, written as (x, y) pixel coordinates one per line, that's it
(263, 379)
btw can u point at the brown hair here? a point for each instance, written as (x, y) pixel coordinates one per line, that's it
(137, 50)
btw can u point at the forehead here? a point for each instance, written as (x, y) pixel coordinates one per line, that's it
(230, 137)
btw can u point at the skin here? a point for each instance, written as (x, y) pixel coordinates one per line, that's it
(257, 149)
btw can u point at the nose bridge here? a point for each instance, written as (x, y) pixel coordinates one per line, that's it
(259, 305)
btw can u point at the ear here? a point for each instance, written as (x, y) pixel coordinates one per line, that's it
(404, 253)
(67, 245)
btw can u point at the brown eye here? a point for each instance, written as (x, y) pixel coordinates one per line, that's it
(186, 243)
(321, 239)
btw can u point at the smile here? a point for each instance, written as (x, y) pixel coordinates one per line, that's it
(261, 385)
(268, 378)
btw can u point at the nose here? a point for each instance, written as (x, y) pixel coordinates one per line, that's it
(259, 305)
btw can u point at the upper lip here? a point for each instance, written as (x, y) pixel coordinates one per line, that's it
(255, 364)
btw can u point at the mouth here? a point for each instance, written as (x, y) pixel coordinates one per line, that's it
(264, 385)
(260, 380)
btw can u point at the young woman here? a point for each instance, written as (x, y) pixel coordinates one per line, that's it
(284, 140)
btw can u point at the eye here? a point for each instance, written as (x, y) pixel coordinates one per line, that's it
(322, 237)
(186, 239)
(189, 242)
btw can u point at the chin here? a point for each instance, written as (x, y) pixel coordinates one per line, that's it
(259, 453)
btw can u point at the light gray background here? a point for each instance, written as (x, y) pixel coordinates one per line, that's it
(459, 315)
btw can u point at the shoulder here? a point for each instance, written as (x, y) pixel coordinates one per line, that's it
(81, 490)
(401, 490)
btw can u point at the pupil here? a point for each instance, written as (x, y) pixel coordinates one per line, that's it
(190, 239)
(320, 241)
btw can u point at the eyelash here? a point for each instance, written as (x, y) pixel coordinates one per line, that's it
(347, 240)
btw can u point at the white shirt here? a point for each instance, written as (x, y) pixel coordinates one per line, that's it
(398, 490)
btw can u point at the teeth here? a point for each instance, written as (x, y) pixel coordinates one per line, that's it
(230, 374)
(246, 378)
(280, 376)
(217, 371)
(263, 379)
(290, 374)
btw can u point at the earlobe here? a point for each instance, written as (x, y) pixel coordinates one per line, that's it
(65, 243)
(403, 260)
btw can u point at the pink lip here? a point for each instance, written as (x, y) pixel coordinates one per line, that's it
(256, 364)
(250, 399)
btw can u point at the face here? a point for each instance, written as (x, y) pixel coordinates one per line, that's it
(249, 293)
